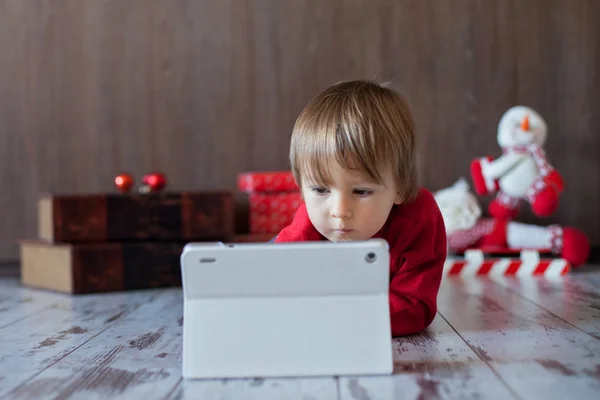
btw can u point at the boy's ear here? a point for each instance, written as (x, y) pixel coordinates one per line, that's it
(398, 200)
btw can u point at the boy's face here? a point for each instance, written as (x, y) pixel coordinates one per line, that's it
(353, 207)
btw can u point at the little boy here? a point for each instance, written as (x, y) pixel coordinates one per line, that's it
(352, 154)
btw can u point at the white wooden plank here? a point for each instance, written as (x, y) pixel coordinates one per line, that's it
(589, 274)
(552, 379)
(435, 364)
(571, 298)
(502, 326)
(529, 347)
(140, 358)
(36, 342)
(136, 357)
(258, 389)
(17, 302)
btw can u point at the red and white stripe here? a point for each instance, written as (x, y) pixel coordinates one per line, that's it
(538, 154)
(529, 264)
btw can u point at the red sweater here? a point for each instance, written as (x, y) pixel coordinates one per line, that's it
(416, 235)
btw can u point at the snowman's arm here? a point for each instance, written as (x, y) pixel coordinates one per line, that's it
(498, 167)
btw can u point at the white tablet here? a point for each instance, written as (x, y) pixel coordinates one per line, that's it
(289, 309)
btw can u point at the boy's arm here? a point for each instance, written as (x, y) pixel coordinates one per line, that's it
(414, 286)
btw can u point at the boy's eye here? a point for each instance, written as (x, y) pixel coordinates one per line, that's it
(363, 192)
(319, 190)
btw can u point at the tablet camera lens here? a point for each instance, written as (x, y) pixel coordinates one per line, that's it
(370, 257)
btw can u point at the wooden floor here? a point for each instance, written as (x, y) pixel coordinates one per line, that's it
(501, 339)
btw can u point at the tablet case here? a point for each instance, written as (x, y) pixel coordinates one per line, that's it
(290, 309)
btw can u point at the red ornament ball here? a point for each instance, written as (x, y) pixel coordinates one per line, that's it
(124, 182)
(155, 181)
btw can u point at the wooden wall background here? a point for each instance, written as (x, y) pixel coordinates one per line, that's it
(205, 89)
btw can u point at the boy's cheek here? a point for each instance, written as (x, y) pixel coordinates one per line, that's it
(311, 200)
(307, 195)
(316, 209)
(313, 209)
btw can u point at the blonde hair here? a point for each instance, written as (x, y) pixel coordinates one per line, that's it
(362, 125)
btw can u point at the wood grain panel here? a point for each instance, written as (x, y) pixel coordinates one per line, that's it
(572, 298)
(39, 345)
(202, 90)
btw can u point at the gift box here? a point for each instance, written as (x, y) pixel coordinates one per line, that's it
(273, 198)
(267, 182)
(107, 242)
(185, 216)
(271, 212)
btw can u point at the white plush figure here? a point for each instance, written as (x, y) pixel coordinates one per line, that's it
(465, 229)
(459, 207)
(522, 172)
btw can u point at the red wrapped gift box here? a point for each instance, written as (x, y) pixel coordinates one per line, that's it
(274, 198)
(278, 181)
(271, 212)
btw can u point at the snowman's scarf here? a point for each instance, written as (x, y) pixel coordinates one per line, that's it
(539, 157)
(538, 154)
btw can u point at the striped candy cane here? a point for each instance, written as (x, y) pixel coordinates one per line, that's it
(529, 264)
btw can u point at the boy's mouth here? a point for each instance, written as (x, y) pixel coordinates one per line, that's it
(342, 231)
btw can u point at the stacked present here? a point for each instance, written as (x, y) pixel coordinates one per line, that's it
(89, 243)
(273, 199)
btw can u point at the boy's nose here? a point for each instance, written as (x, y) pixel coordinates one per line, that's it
(341, 209)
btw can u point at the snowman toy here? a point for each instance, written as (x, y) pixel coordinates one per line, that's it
(522, 172)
